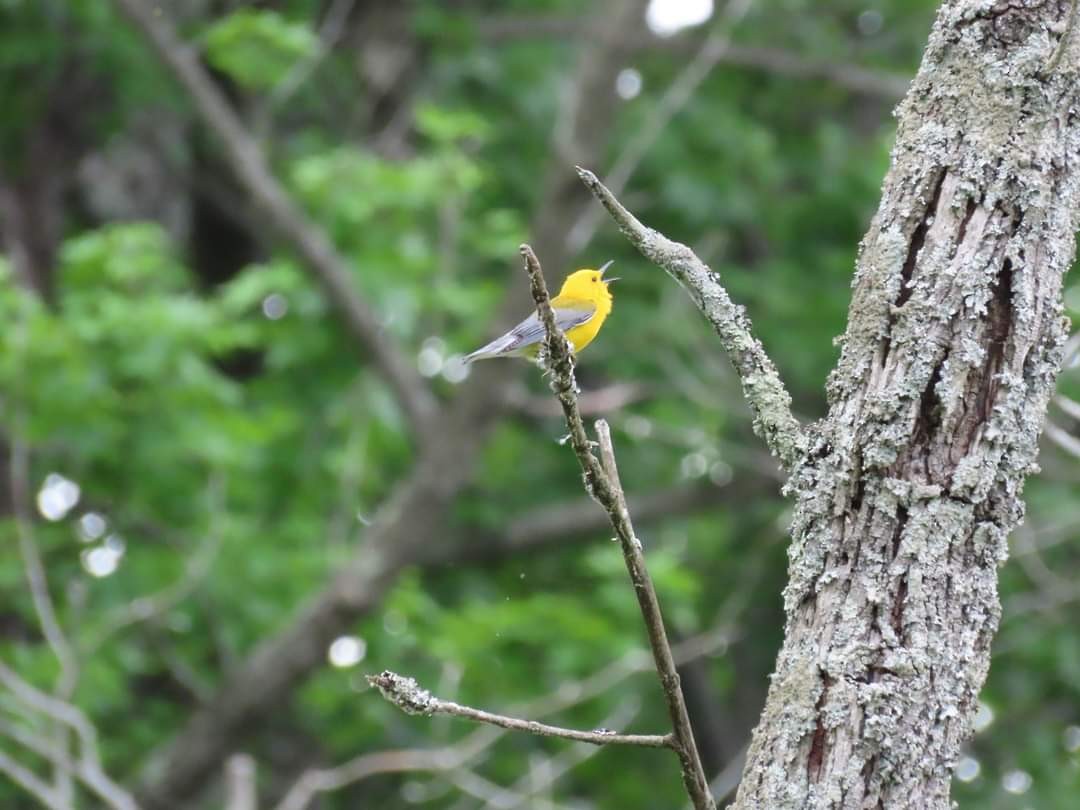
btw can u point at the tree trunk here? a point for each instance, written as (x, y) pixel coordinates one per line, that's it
(914, 479)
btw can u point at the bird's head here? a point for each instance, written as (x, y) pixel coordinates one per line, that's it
(588, 284)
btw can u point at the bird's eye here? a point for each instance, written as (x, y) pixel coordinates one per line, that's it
(594, 279)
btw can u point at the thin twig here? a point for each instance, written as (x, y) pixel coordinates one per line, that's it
(1070, 407)
(725, 782)
(197, 567)
(240, 792)
(525, 791)
(557, 765)
(495, 797)
(857, 78)
(330, 32)
(35, 570)
(602, 483)
(59, 710)
(305, 237)
(88, 772)
(315, 781)
(32, 783)
(407, 695)
(1062, 438)
(38, 583)
(456, 755)
(693, 771)
(762, 387)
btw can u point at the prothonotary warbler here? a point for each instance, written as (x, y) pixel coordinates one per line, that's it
(581, 307)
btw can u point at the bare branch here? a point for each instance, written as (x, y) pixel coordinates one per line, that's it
(86, 770)
(563, 521)
(567, 695)
(407, 695)
(18, 253)
(359, 768)
(240, 793)
(887, 86)
(59, 710)
(1068, 406)
(1062, 438)
(306, 238)
(197, 567)
(556, 766)
(693, 772)
(32, 783)
(330, 32)
(762, 387)
(728, 779)
(38, 583)
(495, 796)
(35, 571)
(602, 483)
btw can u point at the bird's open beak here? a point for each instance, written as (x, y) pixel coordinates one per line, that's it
(604, 268)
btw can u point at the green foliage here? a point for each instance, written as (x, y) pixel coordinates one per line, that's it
(239, 444)
(257, 47)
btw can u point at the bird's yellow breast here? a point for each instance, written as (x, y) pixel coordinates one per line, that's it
(581, 336)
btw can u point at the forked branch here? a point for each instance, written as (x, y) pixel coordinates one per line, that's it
(762, 387)
(602, 483)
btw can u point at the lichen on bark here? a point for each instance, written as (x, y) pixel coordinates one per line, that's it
(912, 482)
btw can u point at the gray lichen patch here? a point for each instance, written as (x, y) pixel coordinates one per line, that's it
(403, 692)
(908, 489)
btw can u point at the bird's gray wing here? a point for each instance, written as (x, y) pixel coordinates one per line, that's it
(530, 331)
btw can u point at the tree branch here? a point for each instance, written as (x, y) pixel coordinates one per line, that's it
(602, 483)
(197, 566)
(85, 769)
(307, 239)
(762, 387)
(38, 583)
(32, 783)
(35, 570)
(407, 695)
(866, 81)
(565, 520)
(458, 754)
(333, 27)
(240, 783)
(1062, 438)
(59, 710)
(313, 782)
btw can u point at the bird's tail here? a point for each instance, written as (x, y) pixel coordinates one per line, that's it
(497, 348)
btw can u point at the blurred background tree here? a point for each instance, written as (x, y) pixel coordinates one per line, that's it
(234, 514)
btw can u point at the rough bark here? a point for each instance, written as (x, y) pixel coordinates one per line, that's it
(913, 481)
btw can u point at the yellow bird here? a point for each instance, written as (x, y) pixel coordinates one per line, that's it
(581, 307)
